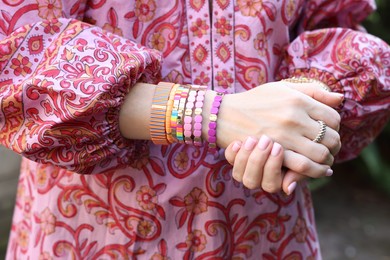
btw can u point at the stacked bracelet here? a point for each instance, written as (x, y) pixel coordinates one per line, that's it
(176, 115)
(197, 133)
(188, 117)
(168, 128)
(158, 111)
(212, 132)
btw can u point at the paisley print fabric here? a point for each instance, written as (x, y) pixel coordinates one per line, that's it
(85, 192)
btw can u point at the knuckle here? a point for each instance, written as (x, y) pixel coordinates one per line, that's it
(270, 188)
(237, 175)
(335, 144)
(302, 165)
(250, 183)
(324, 155)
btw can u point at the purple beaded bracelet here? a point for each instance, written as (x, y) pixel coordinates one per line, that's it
(212, 132)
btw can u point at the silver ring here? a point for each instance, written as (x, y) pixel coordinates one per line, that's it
(321, 133)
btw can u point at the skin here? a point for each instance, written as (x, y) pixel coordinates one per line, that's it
(285, 112)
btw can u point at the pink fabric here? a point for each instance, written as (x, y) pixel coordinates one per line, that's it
(61, 87)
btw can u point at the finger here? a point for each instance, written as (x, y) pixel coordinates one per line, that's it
(315, 91)
(242, 158)
(232, 150)
(290, 181)
(304, 166)
(330, 140)
(256, 161)
(272, 174)
(312, 151)
(319, 111)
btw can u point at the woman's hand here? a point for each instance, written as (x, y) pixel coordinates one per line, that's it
(288, 114)
(257, 163)
(283, 113)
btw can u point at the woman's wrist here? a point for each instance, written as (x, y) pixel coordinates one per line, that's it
(134, 116)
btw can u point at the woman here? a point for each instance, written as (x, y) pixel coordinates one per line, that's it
(70, 104)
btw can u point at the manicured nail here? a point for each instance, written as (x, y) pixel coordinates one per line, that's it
(276, 148)
(329, 172)
(263, 142)
(291, 187)
(236, 146)
(250, 143)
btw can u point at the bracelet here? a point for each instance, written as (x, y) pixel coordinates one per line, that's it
(307, 80)
(189, 109)
(198, 118)
(168, 129)
(180, 115)
(158, 111)
(175, 108)
(212, 132)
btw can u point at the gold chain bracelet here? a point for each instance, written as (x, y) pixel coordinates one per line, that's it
(307, 80)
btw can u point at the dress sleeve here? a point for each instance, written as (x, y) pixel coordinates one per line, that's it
(350, 62)
(318, 14)
(62, 83)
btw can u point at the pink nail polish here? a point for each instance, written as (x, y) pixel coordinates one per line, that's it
(329, 172)
(236, 147)
(291, 187)
(264, 142)
(250, 143)
(276, 148)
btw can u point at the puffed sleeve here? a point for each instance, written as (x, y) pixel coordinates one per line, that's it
(318, 14)
(350, 62)
(62, 83)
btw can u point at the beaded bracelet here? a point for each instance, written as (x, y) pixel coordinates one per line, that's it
(197, 132)
(175, 108)
(307, 80)
(212, 132)
(180, 115)
(189, 109)
(158, 112)
(168, 129)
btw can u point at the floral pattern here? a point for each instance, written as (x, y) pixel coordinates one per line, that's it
(85, 192)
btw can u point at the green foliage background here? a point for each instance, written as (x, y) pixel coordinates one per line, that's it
(374, 161)
(376, 157)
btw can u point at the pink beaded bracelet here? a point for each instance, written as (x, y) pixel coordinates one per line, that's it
(212, 132)
(197, 132)
(188, 116)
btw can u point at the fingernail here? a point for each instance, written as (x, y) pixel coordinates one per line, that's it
(291, 187)
(276, 148)
(329, 172)
(264, 142)
(250, 143)
(340, 95)
(236, 147)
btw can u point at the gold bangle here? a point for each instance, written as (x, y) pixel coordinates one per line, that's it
(308, 80)
(158, 113)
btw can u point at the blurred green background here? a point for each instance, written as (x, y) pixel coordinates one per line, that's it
(376, 157)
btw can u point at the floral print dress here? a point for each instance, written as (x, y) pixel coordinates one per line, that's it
(85, 192)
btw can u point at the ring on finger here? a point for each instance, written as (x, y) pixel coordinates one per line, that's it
(321, 133)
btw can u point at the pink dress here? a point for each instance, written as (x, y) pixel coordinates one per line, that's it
(85, 192)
